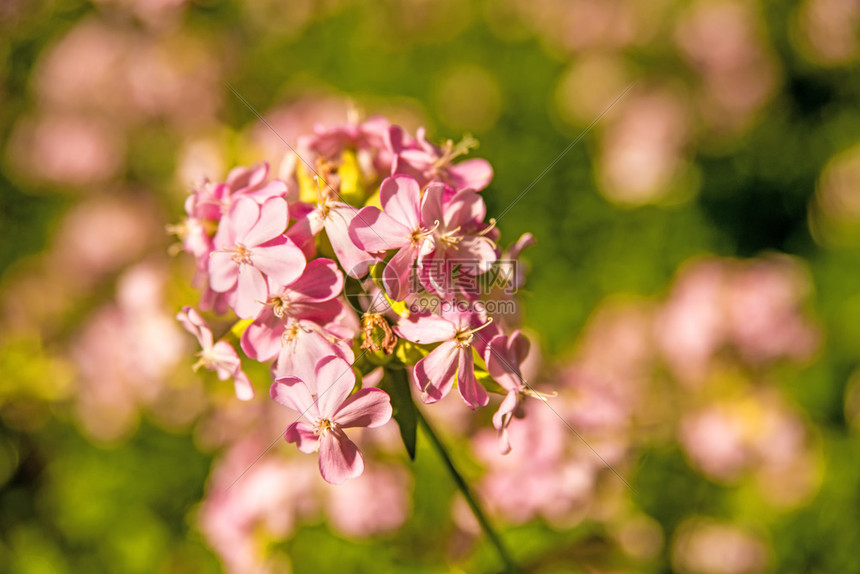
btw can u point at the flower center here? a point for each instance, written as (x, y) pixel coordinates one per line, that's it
(322, 425)
(422, 233)
(280, 306)
(451, 238)
(290, 333)
(241, 255)
(464, 337)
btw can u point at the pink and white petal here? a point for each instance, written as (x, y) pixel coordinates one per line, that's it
(280, 259)
(274, 188)
(473, 173)
(465, 207)
(340, 459)
(518, 347)
(242, 385)
(400, 196)
(241, 219)
(192, 322)
(525, 240)
(224, 358)
(396, 275)
(502, 417)
(500, 366)
(432, 204)
(261, 341)
(434, 374)
(223, 271)
(413, 163)
(366, 408)
(301, 355)
(247, 177)
(303, 435)
(320, 281)
(302, 236)
(321, 313)
(334, 381)
(273, 220)
(477, 253)
(424, 329)
(375, 231)
(293, 393)
(473, 393)
(353, 260)
(251, 292)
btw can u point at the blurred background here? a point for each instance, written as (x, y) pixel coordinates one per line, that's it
(694, 292)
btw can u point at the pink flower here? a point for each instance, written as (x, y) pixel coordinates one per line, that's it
(301, 322)
(434, 374)
(249, 244)
(220, 357)
(426, 162)
(336, 217)
(503, 357)
(398, 226)
(325, 402)
(459, 238)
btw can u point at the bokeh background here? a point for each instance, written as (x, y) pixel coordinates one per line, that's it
(694, 292)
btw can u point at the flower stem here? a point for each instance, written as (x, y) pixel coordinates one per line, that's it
(492, 535)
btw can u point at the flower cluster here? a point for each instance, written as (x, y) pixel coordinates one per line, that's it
(372, 249)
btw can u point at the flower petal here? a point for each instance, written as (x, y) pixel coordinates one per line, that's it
(426, 328)
(472, 392)
(280, 259)
(354, 260)
(251, 293)
(400, 196)
(366, 408)
(239, 222)
(192, 322)
(334, 381)
(434, 374)
(261, 341)
(320, 281)
(396, 275)
(473, 173)
(340, 459)
(223, 271)
(375, 231)
(272, 222)
(242, 385)
(293, 393)
(303, 435)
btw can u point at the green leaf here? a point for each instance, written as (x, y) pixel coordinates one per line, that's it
(395, 382)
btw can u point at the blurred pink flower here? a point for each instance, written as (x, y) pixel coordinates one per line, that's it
(643, 148)
(753, 307)
(826, 30)
(755, 434)
(724, 41)
(125, 76)
(239, 516)
(67, 150)
(124, 353)
(375, 503)
(703, 546)
(102, 234)
(548, 472)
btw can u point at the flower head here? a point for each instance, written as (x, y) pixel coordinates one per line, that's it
(328, 408)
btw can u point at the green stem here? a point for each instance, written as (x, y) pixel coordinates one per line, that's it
(492, 535)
